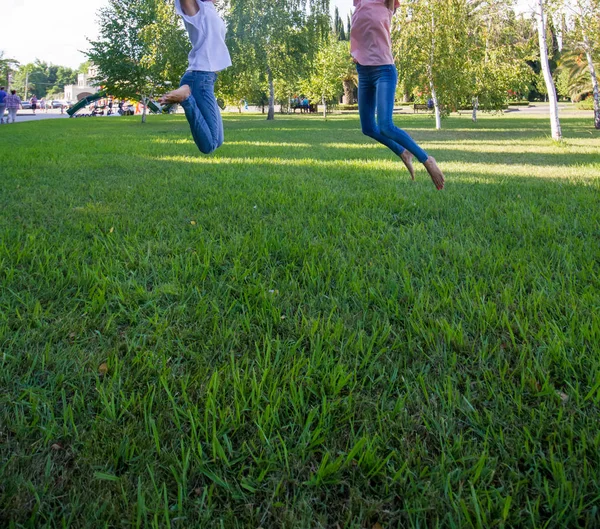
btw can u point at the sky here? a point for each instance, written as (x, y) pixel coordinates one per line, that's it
(56, 31)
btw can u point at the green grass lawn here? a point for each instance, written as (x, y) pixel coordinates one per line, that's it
(291, 333)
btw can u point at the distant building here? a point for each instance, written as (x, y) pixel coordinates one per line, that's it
(84, 86)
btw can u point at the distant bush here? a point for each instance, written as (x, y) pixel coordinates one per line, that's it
(518, 104)
(586, 104)
(348, 107)
(480, 109)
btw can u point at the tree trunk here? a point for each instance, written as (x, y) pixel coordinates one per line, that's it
(144, 109)
(436, 106)
(324, 107)
(550, 88)
(405, 96)
(475, 107)
(271, 114)
(588, 54)
(348, 91)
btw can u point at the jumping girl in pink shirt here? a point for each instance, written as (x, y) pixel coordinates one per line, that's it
(371, 47)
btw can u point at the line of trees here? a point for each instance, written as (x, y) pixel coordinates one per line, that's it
(473, 54)
(39, 77)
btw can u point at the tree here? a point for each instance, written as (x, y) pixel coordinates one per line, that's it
(42, 79)
(168, 46)
(84, 67)
(574, 79)
(338, 26)
(586, 12)
(405, 42)
(434, 37)
(7, 66)
(135, 55)
(495, 65)
(551, 89)
(275, 39)
(331, 66)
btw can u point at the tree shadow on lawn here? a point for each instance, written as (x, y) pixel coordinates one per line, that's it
(348, 143)
(342, 184)
(276, 152)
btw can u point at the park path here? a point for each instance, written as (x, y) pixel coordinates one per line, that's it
(533, 109)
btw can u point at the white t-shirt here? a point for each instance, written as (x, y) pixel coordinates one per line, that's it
(207, 33)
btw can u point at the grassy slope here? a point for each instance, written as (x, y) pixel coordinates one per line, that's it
(292, 333)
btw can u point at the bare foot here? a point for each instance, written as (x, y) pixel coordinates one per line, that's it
(407, 158)
(176, 96)
(435, 172)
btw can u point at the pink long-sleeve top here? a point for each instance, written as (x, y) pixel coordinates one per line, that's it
(370, 41)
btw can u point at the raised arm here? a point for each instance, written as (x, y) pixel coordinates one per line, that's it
(189, 7)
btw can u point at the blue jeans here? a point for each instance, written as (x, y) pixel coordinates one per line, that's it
(202, 111)
(377, 90)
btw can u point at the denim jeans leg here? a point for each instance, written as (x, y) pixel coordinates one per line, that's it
(202, 111)
(386, 90)
(367, 102)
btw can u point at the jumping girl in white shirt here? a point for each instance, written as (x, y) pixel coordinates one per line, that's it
(209, 55)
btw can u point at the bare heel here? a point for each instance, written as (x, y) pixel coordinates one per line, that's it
(435, 172)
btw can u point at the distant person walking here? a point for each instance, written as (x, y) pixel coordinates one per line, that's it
(13, 103)
(3, 95)
(196, 92)
(371, 48)
(34, 103)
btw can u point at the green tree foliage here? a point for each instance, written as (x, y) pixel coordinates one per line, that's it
(274, 41)
(338, 26)
(433, 42)
(42, 79)
(84, 67)
(573, 77)
(7, 66)
(142, 48)
(495, 65)
(332, 63)
(579, 63)
(168, 45)
(462, 53)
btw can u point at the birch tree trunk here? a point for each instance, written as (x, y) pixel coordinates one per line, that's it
(436, 104)
(550, 88)
(271, 113)
(144, 109)
(475, 107)
(324, 106)
(588, 54)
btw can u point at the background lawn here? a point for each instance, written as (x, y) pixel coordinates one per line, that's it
(291, 333)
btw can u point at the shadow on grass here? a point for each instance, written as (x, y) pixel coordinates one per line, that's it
(301, 141)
